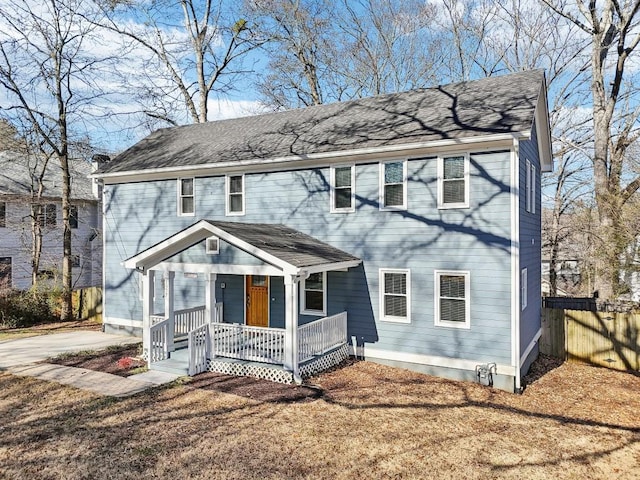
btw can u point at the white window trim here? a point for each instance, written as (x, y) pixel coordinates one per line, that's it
(381, 295)
(383, 207)
(527, 186)
(532, 189)
(227, 182)
(467, 299)
(210, 251)
(303, 298)
(180, 196)
(524, 290)
(332, 180)
(440, 174)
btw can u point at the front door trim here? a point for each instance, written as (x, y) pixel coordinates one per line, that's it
(268, 300)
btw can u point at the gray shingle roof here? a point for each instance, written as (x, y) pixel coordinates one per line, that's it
(16, 170)
(494, 105)
(294, 247)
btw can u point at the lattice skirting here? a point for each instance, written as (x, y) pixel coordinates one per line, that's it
(241, 369)
(279, 374)
(325, 362)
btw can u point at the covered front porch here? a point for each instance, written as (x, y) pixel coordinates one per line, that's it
(244, 342)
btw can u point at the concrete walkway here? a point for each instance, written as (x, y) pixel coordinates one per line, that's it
(22, 356)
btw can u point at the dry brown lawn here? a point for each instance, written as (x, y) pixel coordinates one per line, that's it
(363, 421)
(49, 328)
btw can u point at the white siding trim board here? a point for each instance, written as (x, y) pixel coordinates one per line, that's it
(531, 346)
(431, 360)
(515, 261)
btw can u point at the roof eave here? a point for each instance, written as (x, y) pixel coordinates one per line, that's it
(543, 130)
(172, 172)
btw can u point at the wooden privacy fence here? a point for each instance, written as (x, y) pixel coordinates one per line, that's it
(87, 303)
(608, 339)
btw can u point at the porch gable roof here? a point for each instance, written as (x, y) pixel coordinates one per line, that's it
(285, 248)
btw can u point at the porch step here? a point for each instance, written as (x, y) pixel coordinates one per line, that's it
(178, 363)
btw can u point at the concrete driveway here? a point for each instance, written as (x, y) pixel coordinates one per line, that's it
(22, 351)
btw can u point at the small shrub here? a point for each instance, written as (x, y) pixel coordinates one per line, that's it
(19, 309)
(125, 363)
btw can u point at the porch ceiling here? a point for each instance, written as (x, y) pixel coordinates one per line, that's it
(285, 248)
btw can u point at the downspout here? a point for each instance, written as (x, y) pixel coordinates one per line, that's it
(515, 263)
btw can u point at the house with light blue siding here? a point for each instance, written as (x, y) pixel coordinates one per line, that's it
(402, 229)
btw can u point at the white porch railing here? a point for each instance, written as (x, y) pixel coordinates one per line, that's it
(318, 337)
(198, 349)
(218, 310)
(255, 344)
(189, 319)
(159, 341)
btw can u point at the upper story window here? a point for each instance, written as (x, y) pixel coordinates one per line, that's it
(186, 197)
(235, 194)
(314, 296)
(395, 295)
(453, 181)
(530, 187)
(46, 215)
(393, 185)
(73, 216)
(343, 188)
(3, 214)
(452, 299)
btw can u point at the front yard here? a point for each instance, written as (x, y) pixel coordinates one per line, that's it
(362, 421)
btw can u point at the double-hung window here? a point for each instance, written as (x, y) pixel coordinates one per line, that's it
(343, 188)
(73, 216)
(452, 299)
(235, 194)
(46, 215)
(186, 197)
(395, 295)
(530, 187)
(453, 181)
(393, 185)
(314, 296)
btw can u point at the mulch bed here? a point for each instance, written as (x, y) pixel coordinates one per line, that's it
(120, 361)
(123, 360)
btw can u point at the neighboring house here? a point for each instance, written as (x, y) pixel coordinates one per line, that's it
(18, 183)
(568, 277)
(403, 228)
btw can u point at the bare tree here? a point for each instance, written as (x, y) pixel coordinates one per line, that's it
(301, 51)
(47, 74)
(612, 30)
(192, 50)
(387, 46)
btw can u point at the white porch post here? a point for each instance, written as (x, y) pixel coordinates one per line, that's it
(147, 310)
(169, 311)
(210, 298)
(291, 283)
(210, 310)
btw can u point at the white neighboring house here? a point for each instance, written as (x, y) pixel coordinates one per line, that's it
(17, 183)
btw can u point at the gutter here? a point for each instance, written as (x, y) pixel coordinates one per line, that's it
(336, 155)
